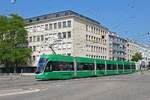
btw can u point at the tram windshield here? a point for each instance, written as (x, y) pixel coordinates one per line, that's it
(41, 65)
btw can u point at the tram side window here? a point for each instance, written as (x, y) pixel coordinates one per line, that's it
(120, 66)
(100, 66)
(133, 66)
(48, 67)
(127, 66)
(62, 66)
(85, 66)
(111, 67)
(114, 66)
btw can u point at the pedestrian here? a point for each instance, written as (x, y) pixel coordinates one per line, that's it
(141, 69)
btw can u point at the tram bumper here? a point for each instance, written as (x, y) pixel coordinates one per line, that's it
(40, 76)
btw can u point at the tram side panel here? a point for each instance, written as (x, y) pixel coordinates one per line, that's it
(85, 67)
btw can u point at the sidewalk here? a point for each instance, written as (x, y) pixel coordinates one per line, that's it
(16, 74)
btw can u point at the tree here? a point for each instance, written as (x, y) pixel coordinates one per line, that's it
(136, 57)
(14, 51)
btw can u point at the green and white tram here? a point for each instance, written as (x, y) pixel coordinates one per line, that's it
(67, 67)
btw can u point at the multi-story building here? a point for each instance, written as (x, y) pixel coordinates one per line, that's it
(145, 51)
(117, 47)
(132, 48)
(68, 33)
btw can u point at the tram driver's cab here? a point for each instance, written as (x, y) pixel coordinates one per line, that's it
(41, 65)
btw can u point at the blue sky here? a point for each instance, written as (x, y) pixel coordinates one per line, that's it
(129, 18)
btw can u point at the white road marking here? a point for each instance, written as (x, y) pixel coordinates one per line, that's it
(19, 91)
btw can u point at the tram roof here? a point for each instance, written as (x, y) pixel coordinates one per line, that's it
(58, 58)
(85, 60)
(110, 62)
(101, 61)
(120, 62)
(127, 63)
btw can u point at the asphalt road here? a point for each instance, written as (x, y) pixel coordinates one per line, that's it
(119, 87)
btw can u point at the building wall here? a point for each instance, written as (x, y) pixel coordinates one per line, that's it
(132, 48)
(39, 46)
(88, 40)
(85, 39)
(77, 36)
(145, 51)
(117, 47)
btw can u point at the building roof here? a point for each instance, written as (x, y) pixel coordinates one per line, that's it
(57, 15)
(114, 34)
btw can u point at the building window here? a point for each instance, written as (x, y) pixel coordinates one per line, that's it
(55, 25)
(34, 38)
(92, 29)
(46, 36)
(64, 35)
(69, 45)
(57, 15)
(69, 23)
(30, 20)
(50, 35)
(30, 39)
(42, 37)
(86, 37)
(46, 26)
(89, 38)
(30, 47)
(92, 38)
(33, 58)
(34, 29)
(59, 24)
(66, 13)
(50, 26)
(86, 27)
(34, 48)
(59, 36)
(38, 38)
(42, 27)
(69, 34)
(64, 24)
(69, 54)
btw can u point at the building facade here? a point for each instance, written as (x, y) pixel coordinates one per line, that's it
(132, 48)
(145, 51)
(117, 47)
(68, 33)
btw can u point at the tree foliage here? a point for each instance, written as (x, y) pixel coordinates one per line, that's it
(137, 57)
(14, 49)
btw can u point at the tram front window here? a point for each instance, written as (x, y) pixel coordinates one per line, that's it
(41, 65)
